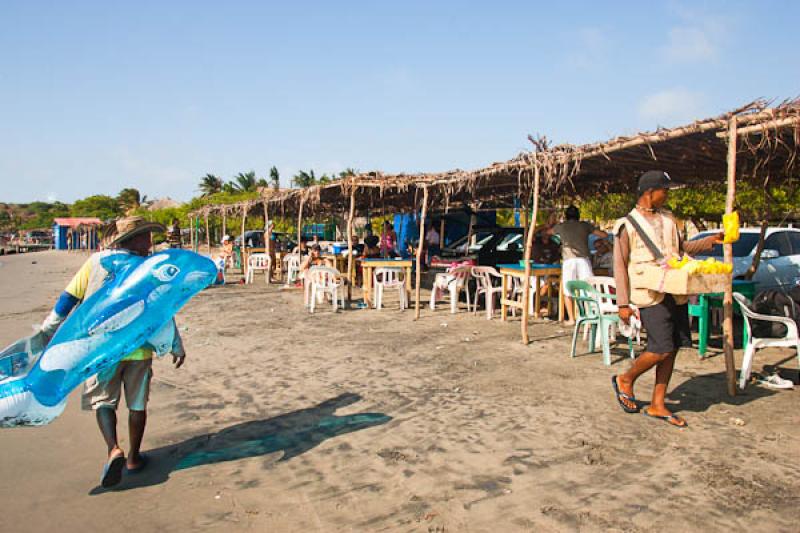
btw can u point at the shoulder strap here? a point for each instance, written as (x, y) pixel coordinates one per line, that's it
(646, 239)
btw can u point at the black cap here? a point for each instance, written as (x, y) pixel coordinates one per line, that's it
(573, 212)
(654, 179)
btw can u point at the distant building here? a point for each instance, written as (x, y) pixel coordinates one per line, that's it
(76, 228)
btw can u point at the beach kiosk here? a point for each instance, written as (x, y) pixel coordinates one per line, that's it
(75, 228)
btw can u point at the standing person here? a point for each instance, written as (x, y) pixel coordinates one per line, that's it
(133, 373)
(648, 229)
(432, 242)
(388, 240)
(174, 239)
(575, 257)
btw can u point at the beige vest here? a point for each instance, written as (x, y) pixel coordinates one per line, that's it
(667, 242)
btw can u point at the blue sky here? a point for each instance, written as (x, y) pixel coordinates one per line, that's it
(98, 96)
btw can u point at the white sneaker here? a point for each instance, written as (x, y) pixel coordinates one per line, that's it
(775, 381)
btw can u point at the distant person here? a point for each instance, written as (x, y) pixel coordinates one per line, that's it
(371, 241)
(227, 251)
(433, 242)
(174, 238)
(388, 240)
(603, 258)
(301, 248)
(575, 257)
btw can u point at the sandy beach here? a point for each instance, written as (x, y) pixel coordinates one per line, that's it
(368, 421)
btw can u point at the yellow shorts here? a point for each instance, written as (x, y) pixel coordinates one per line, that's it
(104, 389)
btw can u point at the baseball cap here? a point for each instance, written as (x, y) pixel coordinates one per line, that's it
(654, 179)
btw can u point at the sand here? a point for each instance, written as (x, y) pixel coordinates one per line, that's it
(368, 421)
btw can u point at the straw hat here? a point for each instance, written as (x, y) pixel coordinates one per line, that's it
(124, 228)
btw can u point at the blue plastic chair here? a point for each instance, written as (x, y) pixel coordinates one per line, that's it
(587, 304)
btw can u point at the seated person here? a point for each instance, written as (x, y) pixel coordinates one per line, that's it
(227, 251)
(371, 248)
(545, 250)
(301, 248)
(604, 256)
(313, 259)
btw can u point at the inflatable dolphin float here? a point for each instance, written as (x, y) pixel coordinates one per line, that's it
(133, 308)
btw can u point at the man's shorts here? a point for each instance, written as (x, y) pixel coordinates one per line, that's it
(577, 268)
(104, 389)
(666, 323)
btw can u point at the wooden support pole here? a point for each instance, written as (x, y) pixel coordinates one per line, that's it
(441, 233)
(525, 220)
(420, 246)
(268, 241)
(350, 265)
(526, 282)
(224, 221)
(300, 224)
(191, 232)
(727, 300)
(243, 249)
(208, 237)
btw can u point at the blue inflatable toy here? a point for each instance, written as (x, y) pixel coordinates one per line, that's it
(133, 308)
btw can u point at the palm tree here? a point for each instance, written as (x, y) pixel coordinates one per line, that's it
(346, 173)
(129, 200)
(275, 178)
(245, 181)
(229, 187)
(304, 179)
(210, 184)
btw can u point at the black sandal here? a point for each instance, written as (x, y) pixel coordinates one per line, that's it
(622, 396)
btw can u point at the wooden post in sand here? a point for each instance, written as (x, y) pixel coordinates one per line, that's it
(268, 240)
(300, 224)
(208, 236)
(420, 246)
(191, 232)
(727, 300)
(243, 249)
(526, 283)
(350, 265)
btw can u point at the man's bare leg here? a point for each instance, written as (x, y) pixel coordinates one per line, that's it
(663, 375)
(642, 364)
(107, 421)
(137, 420)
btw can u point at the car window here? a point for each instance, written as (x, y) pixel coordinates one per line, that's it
(778, 241)
(741, 248)
(481, 238)
(794, 240)
(511, 242)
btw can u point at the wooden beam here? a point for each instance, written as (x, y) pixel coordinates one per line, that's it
(727, 300)
(350, 264)
(526, 283)
(420, 246)
(300, 224)
(224, 221)
(764, 126)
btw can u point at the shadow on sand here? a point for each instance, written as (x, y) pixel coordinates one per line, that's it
(293, 434)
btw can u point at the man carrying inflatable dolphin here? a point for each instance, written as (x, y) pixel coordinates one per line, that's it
(102, 392)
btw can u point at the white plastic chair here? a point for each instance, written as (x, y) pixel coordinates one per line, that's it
(324, 281)
(292, 268)
(790, 340)
(451, 283)
(389, 278)
(517, 288)
(258, 262)
(484, 286)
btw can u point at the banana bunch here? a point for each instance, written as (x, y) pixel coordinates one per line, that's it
(695, 266)
(730, 222)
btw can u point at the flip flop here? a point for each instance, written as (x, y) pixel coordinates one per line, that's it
(142, 465)
(672, 419)
(112, 472)
(621, 395)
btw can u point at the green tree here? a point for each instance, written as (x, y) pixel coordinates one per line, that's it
(129, 200)
(275, 178)
(245, 181)
(210, 184)
(346, 173)
(304, 179)
(100, 206)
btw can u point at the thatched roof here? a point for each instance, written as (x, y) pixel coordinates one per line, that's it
(768, 150)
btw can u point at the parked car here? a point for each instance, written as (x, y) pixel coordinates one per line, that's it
(491, 247)
(780, 260)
